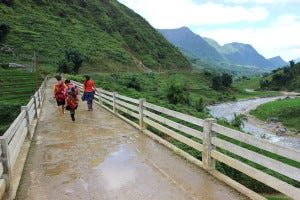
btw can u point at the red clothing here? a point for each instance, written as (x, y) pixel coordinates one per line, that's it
(89, 86)
(72, 101)
(58, 90)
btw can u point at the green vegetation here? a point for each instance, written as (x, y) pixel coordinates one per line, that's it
(270, 197)
(179, 91)
(287, 78)
(248, 87)
(4, 30)
(16, 88)
(287, 110)
(71, 63)
(110, 36)
(238, 120)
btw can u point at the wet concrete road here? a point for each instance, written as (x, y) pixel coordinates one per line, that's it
(101, 157)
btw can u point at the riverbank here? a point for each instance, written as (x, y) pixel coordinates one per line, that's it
(271, 127)
(283, 114)
(254, 126)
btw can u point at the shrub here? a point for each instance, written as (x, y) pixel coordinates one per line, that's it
(216, 83)
(9, 3)
(200, 105)
(4, 30)
(64, 67)
(134, 83)
(177, 93)
(4, 65)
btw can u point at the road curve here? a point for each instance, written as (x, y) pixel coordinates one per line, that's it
(99, 156)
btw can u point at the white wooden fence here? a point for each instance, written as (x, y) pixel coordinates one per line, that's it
(12, 140)
(202, 135)
(205, 137)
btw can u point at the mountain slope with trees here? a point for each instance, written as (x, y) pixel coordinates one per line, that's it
(110, 36)
(286, 78)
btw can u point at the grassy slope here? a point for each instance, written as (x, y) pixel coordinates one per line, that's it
(287, 110)
(16, 88)
(108, 34)
(252, 84)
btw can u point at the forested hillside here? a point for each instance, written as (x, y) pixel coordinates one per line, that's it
(287, 78)
(110, 36)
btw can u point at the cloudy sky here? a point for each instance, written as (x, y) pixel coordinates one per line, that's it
(272, 27)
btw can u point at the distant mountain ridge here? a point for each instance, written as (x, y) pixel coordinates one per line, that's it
(191, 43)
(233, 55)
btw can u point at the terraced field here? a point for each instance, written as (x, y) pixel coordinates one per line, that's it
(16, 88)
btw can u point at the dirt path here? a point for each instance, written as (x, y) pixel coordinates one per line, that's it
(102, 157)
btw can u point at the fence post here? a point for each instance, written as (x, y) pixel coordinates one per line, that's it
(35, 106)
(39, 96)
(27, 119)
(141, 114)
(114, 102)
(5, 159)
(209, 163)
(100, 98)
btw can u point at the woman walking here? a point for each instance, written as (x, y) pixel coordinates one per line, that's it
(71, 98)
(89, 91)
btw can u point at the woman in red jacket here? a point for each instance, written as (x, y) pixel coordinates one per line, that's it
(89, 91)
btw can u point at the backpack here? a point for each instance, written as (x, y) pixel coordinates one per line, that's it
(72, 89)
(59, 92)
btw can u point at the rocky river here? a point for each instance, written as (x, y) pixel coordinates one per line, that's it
(255, 127)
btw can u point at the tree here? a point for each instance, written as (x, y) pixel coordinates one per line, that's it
(72, 62)
(4, 30)
(226, 80)
(292, 63)
(216, 83)
(74, 56)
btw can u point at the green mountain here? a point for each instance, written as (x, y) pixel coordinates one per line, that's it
(191, 44)
(245, 54)
(236, 58)
(278, 61)
(110, 36)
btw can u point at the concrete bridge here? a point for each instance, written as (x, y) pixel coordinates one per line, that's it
(105, 154)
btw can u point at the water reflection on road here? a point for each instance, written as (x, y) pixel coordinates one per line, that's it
(227, 110)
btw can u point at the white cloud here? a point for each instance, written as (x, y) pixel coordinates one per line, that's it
(177, 13)
(281, 38)
(263, 1)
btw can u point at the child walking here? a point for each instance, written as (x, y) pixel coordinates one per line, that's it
(59, 93)
(71, 98)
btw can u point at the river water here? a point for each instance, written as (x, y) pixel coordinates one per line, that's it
(226, 111)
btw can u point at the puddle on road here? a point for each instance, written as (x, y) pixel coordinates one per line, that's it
(63, 145)
(55, 169)
(116, 169)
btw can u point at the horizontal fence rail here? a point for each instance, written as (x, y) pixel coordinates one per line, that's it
(12, 140)
(213, 141)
